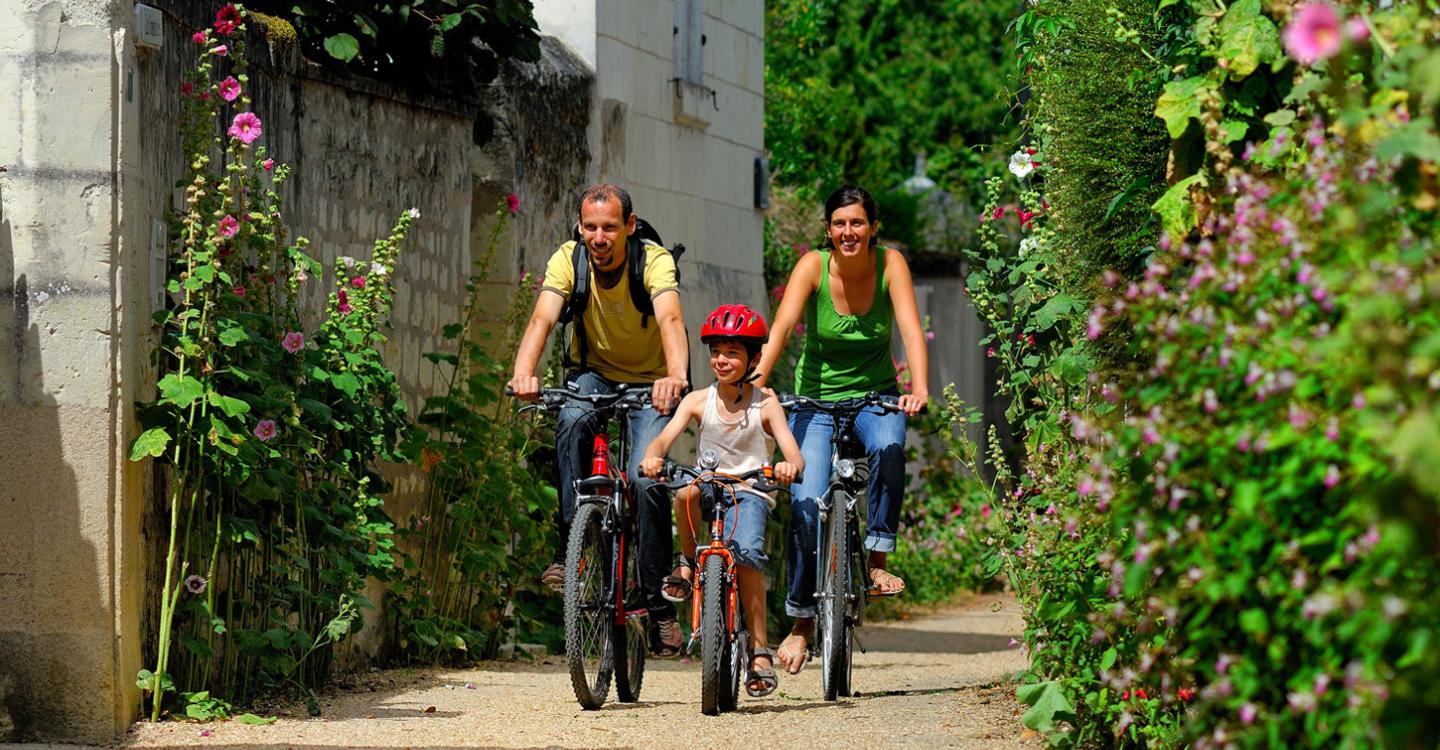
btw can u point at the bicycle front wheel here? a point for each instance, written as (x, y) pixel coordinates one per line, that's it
(834, 602)
(712, 634)
(589, 615)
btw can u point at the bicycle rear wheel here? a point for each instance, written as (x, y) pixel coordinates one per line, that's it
(589, 615)
(712, 633)
(834, 601)
(629, 638)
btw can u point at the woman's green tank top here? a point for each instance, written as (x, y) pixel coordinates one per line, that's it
(846, 355)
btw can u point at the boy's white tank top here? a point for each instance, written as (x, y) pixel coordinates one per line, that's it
(742, 445)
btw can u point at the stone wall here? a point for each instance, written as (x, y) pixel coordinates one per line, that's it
(89, 145)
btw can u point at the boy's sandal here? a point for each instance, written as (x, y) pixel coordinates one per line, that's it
(675, 588)
(766, 677)
(879, 576)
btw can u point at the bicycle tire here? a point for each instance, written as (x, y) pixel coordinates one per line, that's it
(629, 637)
(589, 647)
(735, 660)
(712, 633)
(835, 572)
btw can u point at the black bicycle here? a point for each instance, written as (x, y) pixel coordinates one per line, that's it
(841, 580)
(605, 615)
(717, 612)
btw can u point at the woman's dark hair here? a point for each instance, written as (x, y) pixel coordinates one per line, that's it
(849, 195)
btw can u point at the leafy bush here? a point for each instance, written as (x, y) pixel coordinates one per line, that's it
(269, 436)
(1244, 540)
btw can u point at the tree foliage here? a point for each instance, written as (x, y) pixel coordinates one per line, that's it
(856, 90)
(452, 47)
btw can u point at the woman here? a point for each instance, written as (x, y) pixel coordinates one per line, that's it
(851, 297)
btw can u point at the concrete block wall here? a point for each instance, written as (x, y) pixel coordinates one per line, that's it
(694, 180)
(65, 540)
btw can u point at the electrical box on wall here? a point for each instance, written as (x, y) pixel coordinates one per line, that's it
(762, 183)
(149, 27)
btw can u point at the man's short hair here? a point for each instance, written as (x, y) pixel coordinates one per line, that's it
(604, 193)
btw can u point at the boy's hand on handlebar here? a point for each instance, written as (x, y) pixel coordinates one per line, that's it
(653, 467)
(786, 473)
(666, 393)
(525, 387)
(913, 403)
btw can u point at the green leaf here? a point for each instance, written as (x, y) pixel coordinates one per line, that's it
(151, 444)
(1254, 621)
(255, 720)
(1176, 211)
(1107, 659)
(342, 47)
(1053, 310)
(233, 335)
(1248, 39)
(450, 21)
(1234, 130)
(145, 679)
(1047, 703)
(232, 407)
(346, 382)
(180, 390)
(1247, 498)
(1280, 117)
(1180, 102)
(1412, 139)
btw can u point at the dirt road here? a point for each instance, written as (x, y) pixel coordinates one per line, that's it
(942, 680)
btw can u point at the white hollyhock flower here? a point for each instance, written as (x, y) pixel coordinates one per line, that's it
(348, 262)
(1020, 164)
(414, 213)
(1028, 244)
(378, 269)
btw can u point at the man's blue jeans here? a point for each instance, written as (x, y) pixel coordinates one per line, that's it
(574, 441)
(883, 435)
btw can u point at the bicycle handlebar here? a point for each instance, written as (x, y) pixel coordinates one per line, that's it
(689, 474)
(626, 397)
(848, 406)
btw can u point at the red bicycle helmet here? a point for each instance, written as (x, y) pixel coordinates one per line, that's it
(737, 322)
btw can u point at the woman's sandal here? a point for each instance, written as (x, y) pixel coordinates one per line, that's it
(674, 582)
(766, 677)
(879, 574)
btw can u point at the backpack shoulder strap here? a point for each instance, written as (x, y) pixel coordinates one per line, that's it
(574, 310)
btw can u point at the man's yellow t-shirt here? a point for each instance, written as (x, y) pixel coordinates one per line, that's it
(620, 349)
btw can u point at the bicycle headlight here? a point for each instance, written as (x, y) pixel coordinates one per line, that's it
(845, 468)
(709, 459)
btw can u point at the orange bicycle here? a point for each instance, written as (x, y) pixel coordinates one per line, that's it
(717, 614)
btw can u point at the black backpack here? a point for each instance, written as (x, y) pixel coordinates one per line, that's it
(574, 310)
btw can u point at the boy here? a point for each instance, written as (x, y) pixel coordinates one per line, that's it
(742, 426)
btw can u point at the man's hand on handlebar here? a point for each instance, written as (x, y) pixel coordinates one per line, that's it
(912, 403)
(524, 387)
(786, 473)
(653, 467)
(666, 393)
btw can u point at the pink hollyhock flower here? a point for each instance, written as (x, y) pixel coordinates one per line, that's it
(777, 293)
(199, 37)
(1332, 476)
(512, 201)
(1314, 33)
(268, 164)
(342, 302)
(228, 226)
(1247, 713)
(245, 127)
(265, 430)
(238, 290)
(358, 282)
(929, 335)
(226, 19)
(206, 733)
(220, 51)
(203, 96)
(293, 342)
(187, 87)
(985, 510)
(1356, 29)
(229, 89)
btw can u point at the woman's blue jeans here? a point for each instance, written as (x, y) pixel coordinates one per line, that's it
(883, 435)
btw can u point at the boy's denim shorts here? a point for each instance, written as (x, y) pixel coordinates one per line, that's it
(745, 528)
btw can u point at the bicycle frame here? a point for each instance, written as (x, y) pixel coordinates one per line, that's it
(613, 488)
(717, 546)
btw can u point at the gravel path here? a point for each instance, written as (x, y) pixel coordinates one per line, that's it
(940, 680)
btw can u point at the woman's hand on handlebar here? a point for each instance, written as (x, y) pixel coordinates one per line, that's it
(524, 387)
(913, 403)
(786, 473)
(653, 467)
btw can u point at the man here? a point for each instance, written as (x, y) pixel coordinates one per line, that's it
(614, 343)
